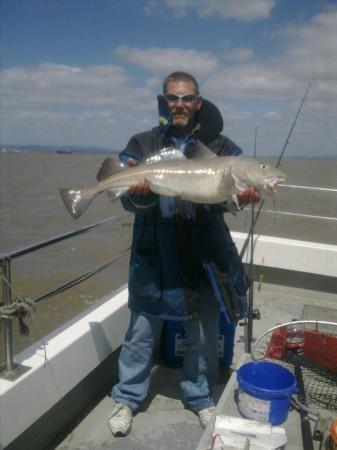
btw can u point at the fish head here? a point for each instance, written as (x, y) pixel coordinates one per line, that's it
(262, 176)
(272, 179)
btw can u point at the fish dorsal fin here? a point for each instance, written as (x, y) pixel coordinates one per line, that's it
(109, 167)
(203, 152)
(165, 154)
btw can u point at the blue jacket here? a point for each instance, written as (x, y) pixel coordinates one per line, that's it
(156, 283)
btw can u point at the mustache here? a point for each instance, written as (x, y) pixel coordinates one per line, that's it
(179, 113)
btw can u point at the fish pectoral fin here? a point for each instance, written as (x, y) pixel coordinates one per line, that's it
(109, 167)
(239, 184)
(235, 202)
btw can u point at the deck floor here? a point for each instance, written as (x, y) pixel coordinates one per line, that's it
(163, 423)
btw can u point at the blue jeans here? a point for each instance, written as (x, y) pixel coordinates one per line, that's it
(200, 367)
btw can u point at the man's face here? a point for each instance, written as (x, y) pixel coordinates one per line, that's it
(182, 109)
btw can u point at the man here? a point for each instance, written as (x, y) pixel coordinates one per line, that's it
(180, 255)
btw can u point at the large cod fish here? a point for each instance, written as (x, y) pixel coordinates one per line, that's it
(212, 180)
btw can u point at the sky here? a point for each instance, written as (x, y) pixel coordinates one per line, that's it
(87, 72)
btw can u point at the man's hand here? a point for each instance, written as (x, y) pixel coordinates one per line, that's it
(249, 195)
(141, 188)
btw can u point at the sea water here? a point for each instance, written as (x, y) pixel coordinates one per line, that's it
(32, 211)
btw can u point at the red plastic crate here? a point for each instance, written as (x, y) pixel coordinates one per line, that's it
(277, 344)
(321, 348)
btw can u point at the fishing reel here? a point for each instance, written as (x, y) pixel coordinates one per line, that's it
(254, 315)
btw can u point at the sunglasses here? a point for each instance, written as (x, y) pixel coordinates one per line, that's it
(174, 98)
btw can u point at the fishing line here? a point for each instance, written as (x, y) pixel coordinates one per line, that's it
(80, 278)
(31, 313)
(248, 330)
(46, 359)
(245, 244)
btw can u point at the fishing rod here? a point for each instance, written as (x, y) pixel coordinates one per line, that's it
(251, 231)
(248, 330)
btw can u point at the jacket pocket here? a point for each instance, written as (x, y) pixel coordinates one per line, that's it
(144, 280)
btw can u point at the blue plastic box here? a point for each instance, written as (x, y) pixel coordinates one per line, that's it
(174, 344)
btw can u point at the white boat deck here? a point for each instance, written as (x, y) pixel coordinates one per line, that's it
(163, 423)
(81, 366)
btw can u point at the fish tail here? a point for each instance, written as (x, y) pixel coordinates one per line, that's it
(76, 200)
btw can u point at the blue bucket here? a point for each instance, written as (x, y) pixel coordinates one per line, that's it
(265, 389)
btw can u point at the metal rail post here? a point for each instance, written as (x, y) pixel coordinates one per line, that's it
(7, 298)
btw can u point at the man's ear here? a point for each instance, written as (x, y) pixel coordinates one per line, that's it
(199, 105)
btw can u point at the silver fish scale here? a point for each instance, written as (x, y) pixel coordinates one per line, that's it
(213, 180)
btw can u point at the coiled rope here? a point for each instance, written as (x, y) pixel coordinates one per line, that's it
(18, 309)
(21, 307)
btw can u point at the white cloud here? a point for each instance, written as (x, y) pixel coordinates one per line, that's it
(50, 103)
(311, 50)
(104, 105)
(106, 128)
(229, 113)
(272, 115)
(54, 85)
(154, 83)
(275, 85)
(245, 10)
(249, 81)
(166, 60)
(315, 46)
(239, 55)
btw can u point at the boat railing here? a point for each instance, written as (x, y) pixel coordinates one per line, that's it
(17, 307)
(13, 308)
(321, 190)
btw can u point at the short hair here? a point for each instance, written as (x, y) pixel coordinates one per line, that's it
(180, 76)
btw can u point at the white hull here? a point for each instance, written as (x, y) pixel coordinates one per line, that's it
(77, 348)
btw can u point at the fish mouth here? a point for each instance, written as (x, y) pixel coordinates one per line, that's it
(270, 183)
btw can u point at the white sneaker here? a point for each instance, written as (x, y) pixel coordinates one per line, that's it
(120, 420)
(205, 416)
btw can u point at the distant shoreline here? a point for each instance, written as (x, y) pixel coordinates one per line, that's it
(69, 149)
(65, 149)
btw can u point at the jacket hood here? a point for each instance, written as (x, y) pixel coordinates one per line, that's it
(209, 120)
